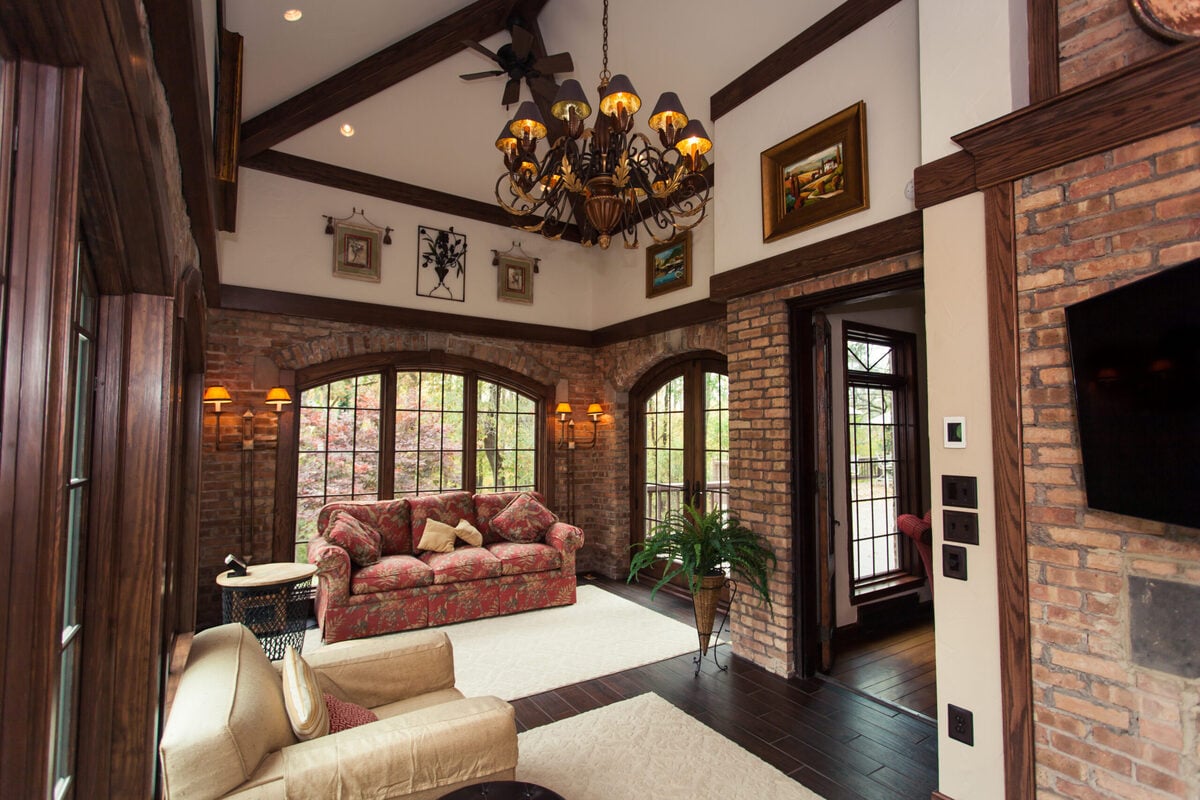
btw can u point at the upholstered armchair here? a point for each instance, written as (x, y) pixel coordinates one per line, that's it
(229, 732)
(920, 530)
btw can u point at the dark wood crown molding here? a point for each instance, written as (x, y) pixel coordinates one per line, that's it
(826, 32)
(886, 239)
(945, 179)
(694, 313)
(377, 72)
(306, 169)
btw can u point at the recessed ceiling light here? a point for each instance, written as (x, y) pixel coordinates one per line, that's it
(347, 129)
(293, 14)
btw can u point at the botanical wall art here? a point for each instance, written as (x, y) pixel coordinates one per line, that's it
(818, 175)
(356, 251)
(669, 265)
(442, 258)
(514, 279)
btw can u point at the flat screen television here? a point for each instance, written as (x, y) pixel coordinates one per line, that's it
(1135, 352)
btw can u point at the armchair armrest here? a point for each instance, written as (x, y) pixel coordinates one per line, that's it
(373, 672)
(394, 757)
(565, 538)
(333, 567)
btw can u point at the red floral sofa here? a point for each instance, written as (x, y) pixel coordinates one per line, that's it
(408, 588)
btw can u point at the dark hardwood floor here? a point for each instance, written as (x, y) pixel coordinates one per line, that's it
(837, 742)
(897, 667)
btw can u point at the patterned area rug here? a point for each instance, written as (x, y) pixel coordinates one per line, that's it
(645, 747)
(523, 654)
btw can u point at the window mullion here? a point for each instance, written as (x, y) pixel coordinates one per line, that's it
(387, 434)
(470, 431)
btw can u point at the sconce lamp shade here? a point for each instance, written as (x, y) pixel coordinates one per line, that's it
(279, 398)
(217, 395)
(562, 409)
(594, 411)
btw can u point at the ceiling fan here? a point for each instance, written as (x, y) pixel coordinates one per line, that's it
(518, 61)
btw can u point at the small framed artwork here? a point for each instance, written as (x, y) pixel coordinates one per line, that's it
(515, 279)
(669, 265)
(818, 175)
(442, 258)
(356, 251)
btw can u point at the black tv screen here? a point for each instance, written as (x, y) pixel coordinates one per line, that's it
(1135, 352)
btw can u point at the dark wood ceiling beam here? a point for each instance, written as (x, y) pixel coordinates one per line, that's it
(826, 32)
(375, 73)
(306, 169)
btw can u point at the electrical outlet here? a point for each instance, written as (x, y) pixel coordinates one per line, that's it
(954, 561)
(960, 526)
(961, 723)
(960, 490)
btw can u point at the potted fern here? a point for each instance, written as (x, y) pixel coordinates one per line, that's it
(701, 546)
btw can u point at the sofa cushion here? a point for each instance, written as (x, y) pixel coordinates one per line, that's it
(359, 540)
(488, 506)
(447, 507)
(228, 714)
(464, 564)
(303, 698)
(517, 558)
(388, 517)
(524, 519)
(438, 536)
(389, 574)
(344, 715)
(468, 533)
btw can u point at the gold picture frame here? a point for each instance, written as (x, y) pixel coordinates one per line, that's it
(818, 175)
(356, 252)
(514, 279)
(669, 265)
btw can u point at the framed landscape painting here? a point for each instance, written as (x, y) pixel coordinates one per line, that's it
(818, 175)
(669, 265)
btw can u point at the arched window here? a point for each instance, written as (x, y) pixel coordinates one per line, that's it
(400, 429)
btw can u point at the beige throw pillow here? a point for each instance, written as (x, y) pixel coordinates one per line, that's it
(469, 533)
(303, 698)
(438, 537)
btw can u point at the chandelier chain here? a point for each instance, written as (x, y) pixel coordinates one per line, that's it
(604, 73)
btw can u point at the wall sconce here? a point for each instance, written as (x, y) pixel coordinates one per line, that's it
(279, 398)
(218, 396)
(566, 426)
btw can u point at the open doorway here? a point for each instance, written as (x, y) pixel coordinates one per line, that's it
(864, 599)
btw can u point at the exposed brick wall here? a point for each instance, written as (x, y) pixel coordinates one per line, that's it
(1097, 37)
(760, 447)
(241, 344)
(1106, 727)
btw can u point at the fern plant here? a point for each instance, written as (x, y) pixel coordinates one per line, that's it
(696, 544)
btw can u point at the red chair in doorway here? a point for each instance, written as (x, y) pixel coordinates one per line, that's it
(920, 530)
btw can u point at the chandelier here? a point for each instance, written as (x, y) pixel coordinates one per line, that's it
(606, 179)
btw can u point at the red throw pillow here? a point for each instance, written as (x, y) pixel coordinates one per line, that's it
(523, 520)
(344, 715)
(360, 541)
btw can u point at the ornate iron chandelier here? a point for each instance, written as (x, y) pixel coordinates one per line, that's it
(605, 178)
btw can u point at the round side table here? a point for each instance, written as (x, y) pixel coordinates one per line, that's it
(272, 601)
(503, 790)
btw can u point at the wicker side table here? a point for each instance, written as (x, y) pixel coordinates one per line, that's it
(272, 601)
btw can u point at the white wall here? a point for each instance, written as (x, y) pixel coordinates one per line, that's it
(876, 64)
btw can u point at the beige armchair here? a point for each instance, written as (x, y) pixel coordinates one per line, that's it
(228, 733)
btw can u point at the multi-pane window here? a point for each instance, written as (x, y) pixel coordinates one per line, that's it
(880, 421)
(716, 439)
(664, 424)
(398, 432)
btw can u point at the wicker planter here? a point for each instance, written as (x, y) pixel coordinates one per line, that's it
(704, 603)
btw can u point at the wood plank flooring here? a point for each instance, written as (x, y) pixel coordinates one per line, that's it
(897, 667)
(839, 743)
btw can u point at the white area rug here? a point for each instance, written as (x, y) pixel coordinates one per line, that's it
(644, 747)
(523, 654)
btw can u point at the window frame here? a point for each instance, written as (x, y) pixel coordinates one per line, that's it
(388, 364)
(907, 422)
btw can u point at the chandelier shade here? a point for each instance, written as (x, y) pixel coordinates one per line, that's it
(608, 180)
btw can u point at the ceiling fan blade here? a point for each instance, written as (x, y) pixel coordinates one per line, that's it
(476, 46)
(522, 41)
(559, 62)
(545, 88)
(477, 75)
(512, 92)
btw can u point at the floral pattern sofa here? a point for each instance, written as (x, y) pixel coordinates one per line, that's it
(407, 588)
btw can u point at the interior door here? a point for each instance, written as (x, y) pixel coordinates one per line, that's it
(823, 507)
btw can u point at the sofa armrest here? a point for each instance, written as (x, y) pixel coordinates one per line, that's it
(394, 757)
(372, 672)
(564, 538)
(333, 568)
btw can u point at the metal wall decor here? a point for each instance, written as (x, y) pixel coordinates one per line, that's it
(356, 246)
(443, 263)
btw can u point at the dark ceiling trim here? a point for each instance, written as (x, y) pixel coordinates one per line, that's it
(176, 36)
(945, 179)
(377, 72)
(695, 313)
(306, 169)
(893, 237)
(266, 301)
(826, 32)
